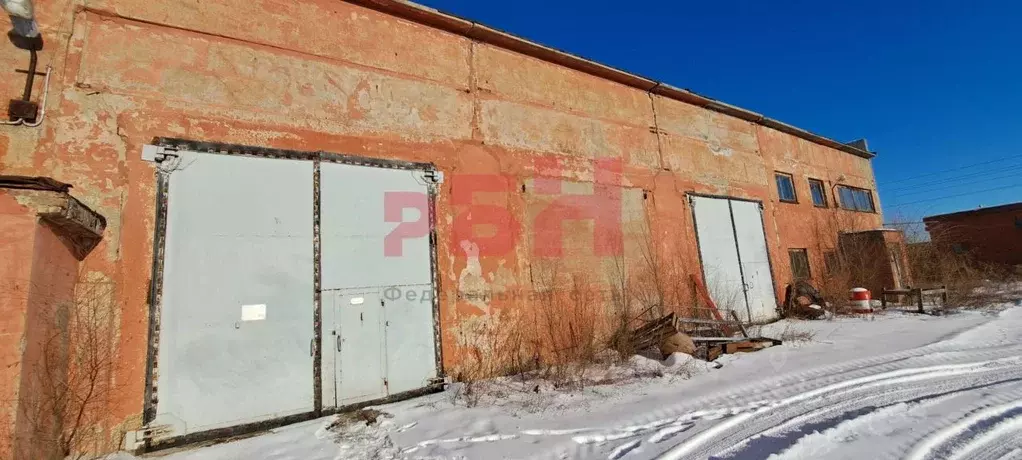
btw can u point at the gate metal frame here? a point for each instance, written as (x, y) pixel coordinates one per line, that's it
(155, 297)
(702, 266)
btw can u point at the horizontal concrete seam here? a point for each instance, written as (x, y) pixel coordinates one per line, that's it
(474, 30)
(109, 15)
(213, 112)
(565, 111)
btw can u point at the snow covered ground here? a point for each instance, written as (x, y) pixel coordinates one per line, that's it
(894, 386)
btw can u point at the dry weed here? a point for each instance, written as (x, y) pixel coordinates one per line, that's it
(795, 334)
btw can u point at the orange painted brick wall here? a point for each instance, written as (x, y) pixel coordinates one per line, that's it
(17, 232)
(328, 75)
(37, 279)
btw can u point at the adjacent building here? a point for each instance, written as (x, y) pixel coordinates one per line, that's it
(992, 235)
(318, 203)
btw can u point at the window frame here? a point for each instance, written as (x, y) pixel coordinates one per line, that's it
(854, 205)
(831, 261)
(823, 193)
(809, 270)
(794, 190)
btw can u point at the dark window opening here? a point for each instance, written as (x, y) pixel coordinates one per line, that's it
(1018, 223)
(832, 261)
(960, 248)
(855, 199)
(818, 192)
(785, 187)
(799, 264)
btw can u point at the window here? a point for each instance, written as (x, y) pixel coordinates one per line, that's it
(832, 261)
(855, 199)
(818, 192)
(785, 187)
(799, 264)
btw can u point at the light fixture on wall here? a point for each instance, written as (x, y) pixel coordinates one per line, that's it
(25, 35)
(22, 17)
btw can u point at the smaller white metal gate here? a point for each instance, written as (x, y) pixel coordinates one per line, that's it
(378, 338)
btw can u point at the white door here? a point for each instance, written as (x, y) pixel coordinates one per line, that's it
(235, 324)
(382, 316)
(358, 347)
(752, 249)
(719, 254)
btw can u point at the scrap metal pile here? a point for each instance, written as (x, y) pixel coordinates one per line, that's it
(705, 334)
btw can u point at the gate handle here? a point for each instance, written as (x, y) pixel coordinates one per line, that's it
(312, 347)
(338, 339)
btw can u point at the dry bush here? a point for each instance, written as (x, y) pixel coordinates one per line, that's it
(507, 345)
(853, 264)
(661, 284)
(623, 318)
(576, 317)
(573, 326)
(968, 281)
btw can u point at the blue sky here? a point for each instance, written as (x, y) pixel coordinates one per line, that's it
(936, 86)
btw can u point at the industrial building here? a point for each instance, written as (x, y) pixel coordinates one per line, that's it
(991, 235)
(272, 210)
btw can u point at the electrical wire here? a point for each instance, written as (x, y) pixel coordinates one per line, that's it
(912, 178)
(943, 186)
(963, 176)
(953, 196)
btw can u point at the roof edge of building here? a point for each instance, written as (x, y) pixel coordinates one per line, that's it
(973, 212)
(471, 29)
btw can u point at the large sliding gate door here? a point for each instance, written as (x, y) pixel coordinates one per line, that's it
(235, 337)
(235, 326)
(733, 250)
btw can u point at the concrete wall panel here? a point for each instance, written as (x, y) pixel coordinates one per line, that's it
(326, 28)
(520, 78)
(543, 131)
(203, 74)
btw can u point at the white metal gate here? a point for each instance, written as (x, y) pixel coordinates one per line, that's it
(234, 332)
(235, 323)
(733, 250)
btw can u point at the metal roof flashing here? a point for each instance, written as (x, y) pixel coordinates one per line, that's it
(471, 29)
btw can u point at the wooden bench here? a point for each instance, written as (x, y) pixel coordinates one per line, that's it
(918, 293)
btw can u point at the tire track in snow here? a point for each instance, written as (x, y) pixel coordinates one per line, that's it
(950, 349)
(838, 374)
(938, 362)
(708, 440)
(624, 449)
(854, 406)
(967, 437)
(816, 430)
